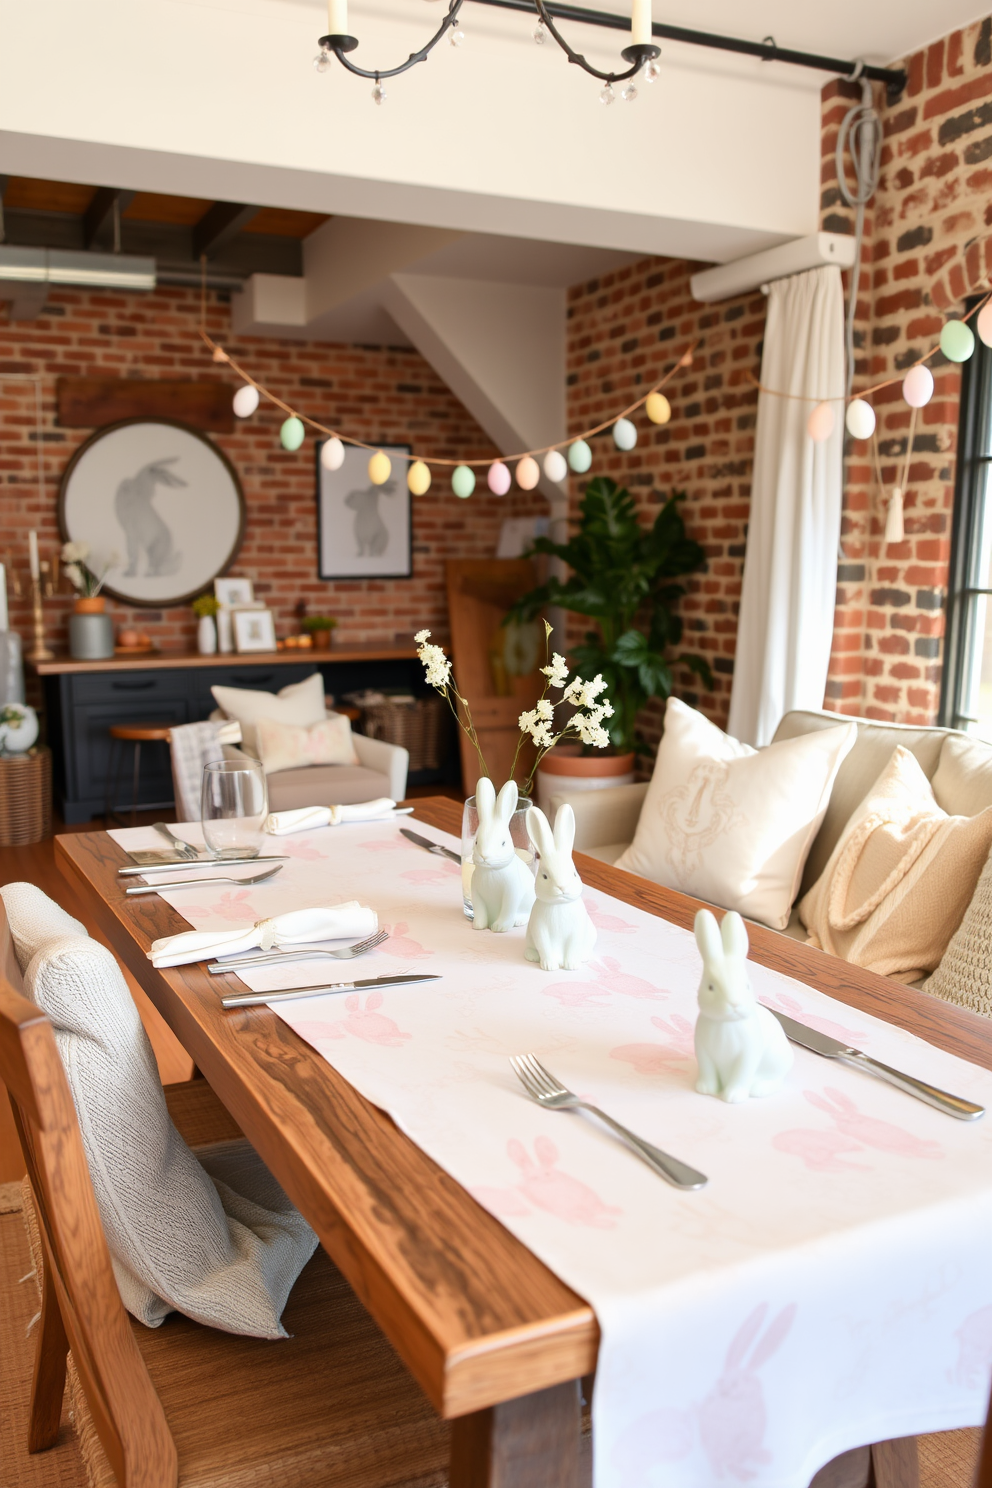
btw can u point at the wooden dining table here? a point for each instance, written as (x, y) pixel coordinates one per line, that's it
(497, 1342)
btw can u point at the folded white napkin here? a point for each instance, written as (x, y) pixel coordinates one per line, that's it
(299, 926)
(306, 818)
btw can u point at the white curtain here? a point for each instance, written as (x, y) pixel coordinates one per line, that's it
(790, 569)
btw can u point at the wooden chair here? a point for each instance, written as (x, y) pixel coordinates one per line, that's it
(183, 1404)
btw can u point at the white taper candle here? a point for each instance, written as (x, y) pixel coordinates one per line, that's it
(337, 18)
(4, 617)
(640, 23)
(33, 555)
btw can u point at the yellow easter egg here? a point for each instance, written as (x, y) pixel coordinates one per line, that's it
(380, 468)
(418, 478)
(657, 408)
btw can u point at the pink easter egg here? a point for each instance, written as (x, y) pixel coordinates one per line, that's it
(983, 324)
(917, 386)
(528, 473)
(498, 478)
(820, 424)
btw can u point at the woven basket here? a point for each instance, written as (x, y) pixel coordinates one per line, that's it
(417, 726)
(25, 797)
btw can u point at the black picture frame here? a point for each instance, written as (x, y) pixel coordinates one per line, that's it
(354, 539)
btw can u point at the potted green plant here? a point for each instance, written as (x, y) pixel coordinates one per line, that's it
(319, 628)
(205, 607)
(623, 576)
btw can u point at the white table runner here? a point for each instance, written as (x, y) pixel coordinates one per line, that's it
(832, 1285)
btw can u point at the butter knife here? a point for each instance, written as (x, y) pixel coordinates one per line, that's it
(200, 863)
(831, 1048)
(428, 845)
(256, 999)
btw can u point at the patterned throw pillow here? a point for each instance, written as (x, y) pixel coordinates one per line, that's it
(731, 824)
(283, 746)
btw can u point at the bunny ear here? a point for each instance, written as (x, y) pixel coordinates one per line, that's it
(840, 1099)
(506, 801)
(745, 1336)
(485, 798)
(708, 937)
(373, 1001)
(774, 1338)
(517, 1154)
(547, 1152)
(539, 831)
(565, 829)
(735, 941)
(815, 1099)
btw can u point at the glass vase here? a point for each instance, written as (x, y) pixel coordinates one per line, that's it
(470, 828)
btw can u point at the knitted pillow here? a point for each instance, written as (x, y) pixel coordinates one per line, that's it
(217, 1241)
(964, 975)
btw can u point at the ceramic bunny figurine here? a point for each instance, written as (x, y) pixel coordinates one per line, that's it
(560, 933)
(741, 1049)
(502, 885)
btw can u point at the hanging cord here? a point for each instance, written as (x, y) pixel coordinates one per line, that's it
(861, 131)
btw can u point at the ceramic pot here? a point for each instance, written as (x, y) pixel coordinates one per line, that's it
(206, 636)
(91, 630)
(565, 768)
(321, 640)
(225, 633)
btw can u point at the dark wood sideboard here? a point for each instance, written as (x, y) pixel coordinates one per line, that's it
(83, 698)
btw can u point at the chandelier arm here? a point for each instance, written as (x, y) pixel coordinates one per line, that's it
(340, 45)
(644, 53)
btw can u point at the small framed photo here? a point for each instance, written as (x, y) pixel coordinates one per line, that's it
(254, 630)
(234, 593)
(365, 531)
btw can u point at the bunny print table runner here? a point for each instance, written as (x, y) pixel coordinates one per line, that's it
(832, 1284)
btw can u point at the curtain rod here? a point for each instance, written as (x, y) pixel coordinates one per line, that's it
(894, 78)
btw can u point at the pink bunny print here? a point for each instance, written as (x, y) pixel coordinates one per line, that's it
(302, 850)
(733, 1418)
(231, 906)
(793, 1009)
(558, 1193)
(974, 1349)
(365, 1023)
(820, 1150)
(868, 1129)
(401, 945)
(655, 1059)
(384, 844)
(425, 875)
(577, 994)
(615, 980)
(610, 922)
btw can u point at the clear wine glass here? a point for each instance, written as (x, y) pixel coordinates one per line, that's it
(233, 806)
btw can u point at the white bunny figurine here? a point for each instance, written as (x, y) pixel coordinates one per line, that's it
(502, 889)
(741, 1049)
(560, 933)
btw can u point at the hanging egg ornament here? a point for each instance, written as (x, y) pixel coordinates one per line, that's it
(579, 456)
(463, 481)
(380, 468)
(624, 434)
(498, 478)
(895, 527)
(957, 341)
(860, 419)
(418, 478)
(245, 401)
(657, 408)
(220, 355)
(555, 466)
(983, 324)
(820, 424)
(292, 434)
(917, 386)
(332, 454)
(528, 473)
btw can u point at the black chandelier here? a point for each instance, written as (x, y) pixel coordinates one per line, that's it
(639, 54)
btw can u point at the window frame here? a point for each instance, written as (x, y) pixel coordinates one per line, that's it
(974, 468)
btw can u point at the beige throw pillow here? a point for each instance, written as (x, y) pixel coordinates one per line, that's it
(732, 824)
(301, 703)
(900, 878)
(964, 975)
(283, 746)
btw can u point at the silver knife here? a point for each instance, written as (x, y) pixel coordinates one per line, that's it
(255, 999)
(200, 863)
(831, 1048)
(428, 845)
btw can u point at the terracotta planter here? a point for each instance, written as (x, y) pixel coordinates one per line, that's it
(321, 640)
(568, 769)
(90, 604)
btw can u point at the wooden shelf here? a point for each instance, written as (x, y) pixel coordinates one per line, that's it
(171, 660)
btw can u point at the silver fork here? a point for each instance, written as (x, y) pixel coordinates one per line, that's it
(196, 883)
(183, 849)
(550, 1093)
(300, 953)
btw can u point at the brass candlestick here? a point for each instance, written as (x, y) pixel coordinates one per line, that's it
(39, 651)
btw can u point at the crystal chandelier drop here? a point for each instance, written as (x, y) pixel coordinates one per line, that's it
(641, 54)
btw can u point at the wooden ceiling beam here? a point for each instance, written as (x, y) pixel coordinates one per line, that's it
(219, 225)
(101, 210)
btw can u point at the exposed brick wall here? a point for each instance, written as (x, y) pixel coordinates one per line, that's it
(378, 393)
(921, 259)
(624, 330)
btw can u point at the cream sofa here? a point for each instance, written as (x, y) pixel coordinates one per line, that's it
(381, 771)
(958, 766)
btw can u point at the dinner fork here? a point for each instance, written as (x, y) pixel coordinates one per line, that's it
(550, 1093)
(183, 849)
(195, 883)
(298, 953)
